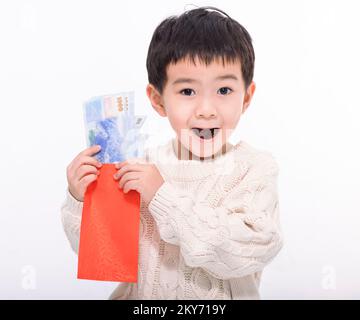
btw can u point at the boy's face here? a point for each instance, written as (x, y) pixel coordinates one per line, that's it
(203, 104)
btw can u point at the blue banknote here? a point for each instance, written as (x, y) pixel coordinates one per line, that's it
(110, 122)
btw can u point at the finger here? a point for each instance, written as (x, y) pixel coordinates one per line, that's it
(91, 150)
(85, 181)
(127, 177)
(85, 160)
(130, 185)
(85, 169)
(127, 168)
(119, 165)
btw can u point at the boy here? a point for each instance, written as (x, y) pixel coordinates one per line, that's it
(206, 231)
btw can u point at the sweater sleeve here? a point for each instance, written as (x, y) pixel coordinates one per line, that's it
(71, 211)
(232, 239)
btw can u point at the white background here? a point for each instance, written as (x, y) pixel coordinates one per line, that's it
(56, 54)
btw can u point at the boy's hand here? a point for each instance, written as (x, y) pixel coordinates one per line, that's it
(145, 178)
(82, 171)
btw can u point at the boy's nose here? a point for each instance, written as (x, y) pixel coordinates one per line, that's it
(206, 110)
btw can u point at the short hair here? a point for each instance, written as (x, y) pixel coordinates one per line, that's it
(207, 33)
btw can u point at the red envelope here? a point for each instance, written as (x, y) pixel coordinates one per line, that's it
(109, 235)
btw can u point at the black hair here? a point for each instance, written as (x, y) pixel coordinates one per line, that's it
(207, 33)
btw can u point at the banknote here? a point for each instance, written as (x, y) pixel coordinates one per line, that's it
(110, 122)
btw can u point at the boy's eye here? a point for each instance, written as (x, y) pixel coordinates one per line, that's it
(187, 92)
(224, 91)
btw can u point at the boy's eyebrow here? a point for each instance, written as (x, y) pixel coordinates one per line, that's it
(223, 77)
(227, 77)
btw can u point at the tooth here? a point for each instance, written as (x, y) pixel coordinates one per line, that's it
(215, 131)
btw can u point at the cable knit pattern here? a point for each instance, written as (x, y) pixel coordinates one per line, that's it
(209, 231)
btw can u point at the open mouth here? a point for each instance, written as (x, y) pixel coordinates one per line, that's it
(206, 133)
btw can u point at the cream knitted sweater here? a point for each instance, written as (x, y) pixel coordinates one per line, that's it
(208, 232)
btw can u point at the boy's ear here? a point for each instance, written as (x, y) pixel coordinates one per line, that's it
(156, 100)
(248, 96)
